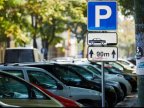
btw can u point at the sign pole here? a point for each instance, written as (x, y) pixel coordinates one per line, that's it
(100, 22)
(103, 85)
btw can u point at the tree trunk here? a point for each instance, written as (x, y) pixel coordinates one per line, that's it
(34, 24)
(45, 46)
(34, 41)
(8, 43)
(139, 21)
(83, 50)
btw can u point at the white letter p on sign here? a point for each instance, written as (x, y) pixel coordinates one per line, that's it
(98, 17)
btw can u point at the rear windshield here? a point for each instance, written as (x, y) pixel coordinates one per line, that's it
(18, 56)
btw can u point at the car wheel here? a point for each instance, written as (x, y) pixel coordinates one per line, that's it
(123, 87)
(89, 103)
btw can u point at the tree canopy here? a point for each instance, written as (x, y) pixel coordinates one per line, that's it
(52, 17)
(126, 7)
(15, 17)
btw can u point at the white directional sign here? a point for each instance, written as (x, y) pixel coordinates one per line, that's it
(102, 54)
(102, 38)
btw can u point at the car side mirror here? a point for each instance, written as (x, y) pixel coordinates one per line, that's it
(59, 86)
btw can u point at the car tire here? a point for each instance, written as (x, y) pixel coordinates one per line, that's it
(89, 103)
(123, 87)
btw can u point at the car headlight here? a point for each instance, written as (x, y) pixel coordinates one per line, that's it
(134, 72)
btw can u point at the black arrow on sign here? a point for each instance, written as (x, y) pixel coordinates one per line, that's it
(91, 53)
(113, 53)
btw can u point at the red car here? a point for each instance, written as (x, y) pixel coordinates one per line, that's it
(66, 102)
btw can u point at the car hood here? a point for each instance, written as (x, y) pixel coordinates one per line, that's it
(109, 76)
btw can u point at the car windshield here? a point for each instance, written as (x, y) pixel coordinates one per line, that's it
(124, 62)
(116, 65)
(85, 73)
(114, 70)
(93, 69)
(66, 75)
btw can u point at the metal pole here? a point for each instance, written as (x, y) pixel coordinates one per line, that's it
(103, 86)
(139, 32)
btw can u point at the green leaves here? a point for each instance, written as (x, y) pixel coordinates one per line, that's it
(126, 7)
(52, 18)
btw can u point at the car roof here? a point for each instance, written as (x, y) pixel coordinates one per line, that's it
(31, 63)
(29, 68)
(20, 67)
(20, 48)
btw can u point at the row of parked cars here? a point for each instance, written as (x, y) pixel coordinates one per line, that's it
(64, 83)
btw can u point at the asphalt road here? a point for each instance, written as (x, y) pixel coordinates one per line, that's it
(129, 101)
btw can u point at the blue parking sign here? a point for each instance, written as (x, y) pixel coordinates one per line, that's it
(102, 16)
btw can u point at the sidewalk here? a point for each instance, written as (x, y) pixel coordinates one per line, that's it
(129, 101)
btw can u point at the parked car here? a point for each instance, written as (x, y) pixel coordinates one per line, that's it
(90, 75)
(126, 63)
(124, 68)
(121, 67)
(96, 69)
(46, 80)
(21, 54)
(72, 78)
(65, 101)
(15, 91)
(125, 85)
(131, 79)
(4, 105)
(132, 60)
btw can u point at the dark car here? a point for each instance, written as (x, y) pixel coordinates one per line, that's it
(131, 79)
(72, 78)
(112, 70)
(90, 75)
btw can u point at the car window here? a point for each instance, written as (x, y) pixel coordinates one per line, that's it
(93, 69)
(14, 89)
(18, 73)
(100, 70)
(45, 67)
(96, 65)
(85, 73)
(124, 62)
(42, 79)
(38, 95)
(67, 75)
(112, 70)
(117, 65)
(10, 88)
